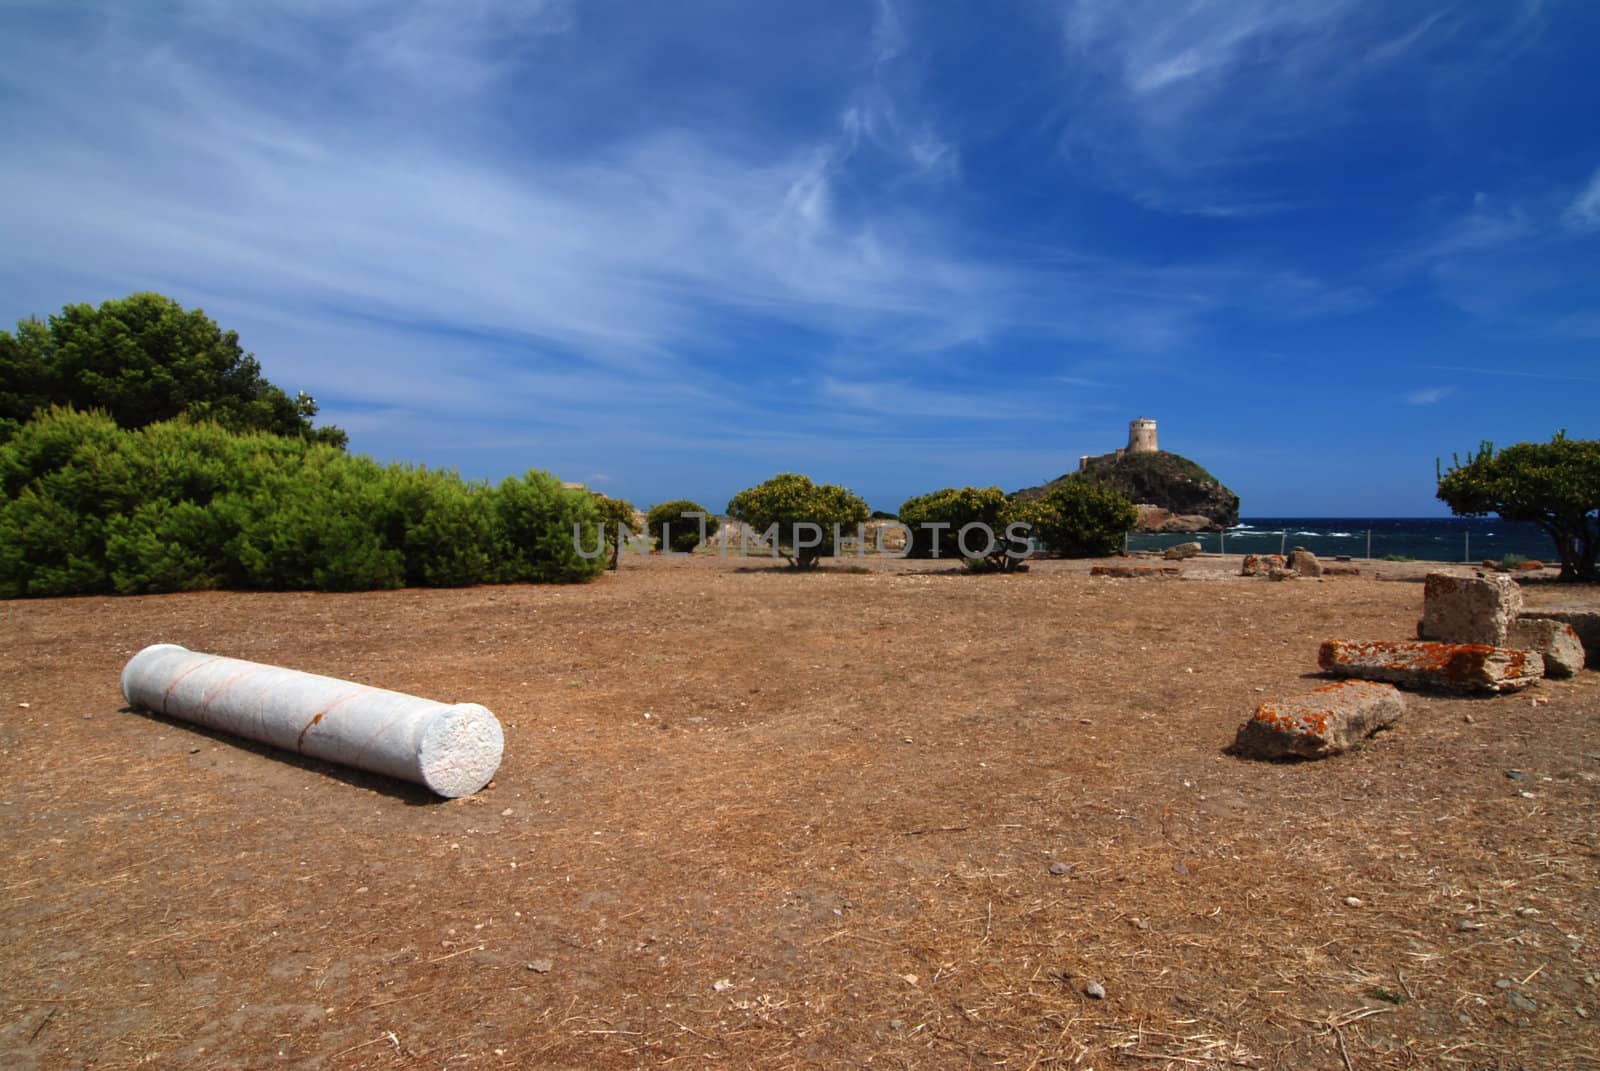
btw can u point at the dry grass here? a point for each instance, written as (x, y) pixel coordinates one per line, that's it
(828, 845)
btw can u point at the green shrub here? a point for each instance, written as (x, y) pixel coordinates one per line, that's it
(1076, 519)
(684, 531)
(538, 527)
(788, 500)
(955, 508)
(88, 508)
(617, 516)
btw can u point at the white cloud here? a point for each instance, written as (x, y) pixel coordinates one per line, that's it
(1169, 102)
(1584, 212)
(1429, 395)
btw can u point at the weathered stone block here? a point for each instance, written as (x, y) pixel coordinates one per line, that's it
(1179, 551)
(1469, 609)
(1304, 563)
(1586, 623)
(1322, 722)
(1135, 572)
(1341, 570)
(1450, 667)
(1555, 641)
(1260, 564)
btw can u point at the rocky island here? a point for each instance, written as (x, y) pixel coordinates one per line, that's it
(1172, 493)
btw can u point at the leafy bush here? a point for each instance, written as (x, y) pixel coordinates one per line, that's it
(1555, 485)
(1077, 519)
(937, 519)
(145, 359)
(617, 517)
(789, 500)
(668, 519)
(88, 508)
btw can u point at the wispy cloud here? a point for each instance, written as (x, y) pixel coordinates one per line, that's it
(1584, 212)
(1171, 103)
(1429, 395)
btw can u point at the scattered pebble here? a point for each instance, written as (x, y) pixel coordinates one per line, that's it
(540, 966)
(1140, 924)
(507, 813)
(1520, 1002)
(194, 751)
(1527, 912)
(1525, 794)
(1467, 718)
(1180, 869)
(1059, 868)
(722, 985)
(1588, 980)
(906, 740)
(1583, 1013)
(88, 717)
(1517, 775)
(1094, 990)
(1353, 901)
(1467, 925)
(23, 706)
(897, 1024)
(1503, 983)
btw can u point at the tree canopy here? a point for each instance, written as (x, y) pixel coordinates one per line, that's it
(676, 519)
(789, 501)
(1555, 485)
(1078, 519)
(938, 520)
(145, 359)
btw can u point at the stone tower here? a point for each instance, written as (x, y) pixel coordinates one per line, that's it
(1142, 436)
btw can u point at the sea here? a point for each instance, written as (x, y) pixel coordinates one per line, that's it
(1440, 539)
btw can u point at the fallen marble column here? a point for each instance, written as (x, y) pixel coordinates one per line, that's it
(1450, 667)
(452, 749)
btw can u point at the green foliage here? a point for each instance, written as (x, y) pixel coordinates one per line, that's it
(790, 499)
(539, 526)
(937, 519)
(1078, 519)
(90, 508)
(616, 517)
(1555, 485)
(669, 517)
(145, 359)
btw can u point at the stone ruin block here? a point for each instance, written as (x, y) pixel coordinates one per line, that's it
(1304, 563)
(1261, 564)
(1322, 722)
(1469, 609)
(1555, 641)
(1341, 570)
(1135, 572)
(1448, 667)
(1586, 623)
(1180, 551)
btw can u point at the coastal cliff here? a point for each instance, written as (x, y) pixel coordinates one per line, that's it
(1173, 493)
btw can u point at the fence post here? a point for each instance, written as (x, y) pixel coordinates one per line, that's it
(1369, 544)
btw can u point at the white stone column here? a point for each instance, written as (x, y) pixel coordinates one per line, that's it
(452, 749)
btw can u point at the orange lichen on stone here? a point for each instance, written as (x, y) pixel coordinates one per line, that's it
(1449, 666)
(1324, 721)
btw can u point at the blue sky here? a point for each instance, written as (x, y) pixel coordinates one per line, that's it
(672, 249)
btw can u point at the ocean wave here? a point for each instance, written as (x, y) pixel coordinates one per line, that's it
(1305, 533)
(1342, 535)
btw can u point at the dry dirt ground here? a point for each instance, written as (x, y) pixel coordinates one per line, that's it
(749, 818)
